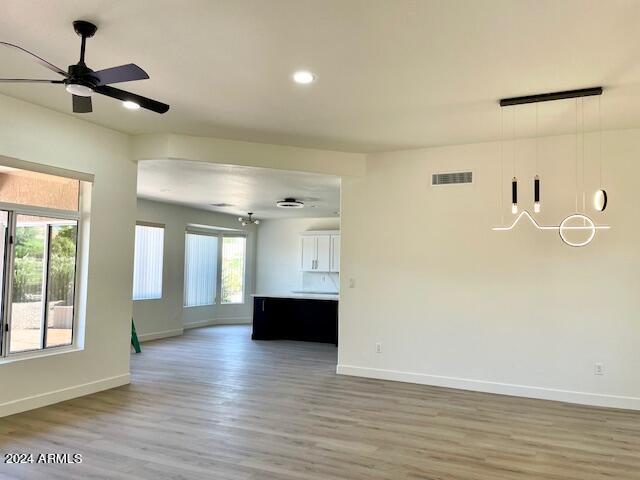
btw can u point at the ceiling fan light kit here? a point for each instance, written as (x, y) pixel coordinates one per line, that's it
(82, 82)
(575, 222)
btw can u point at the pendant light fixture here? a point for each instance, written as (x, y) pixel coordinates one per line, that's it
(248, 221)
(536, 179)
(514, 181)
(576, 222)
(600, 197)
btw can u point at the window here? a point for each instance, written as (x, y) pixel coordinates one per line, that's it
(39, 234)
(200, 272)
(147, 265)
(42, 290)
(233, 259)
(213, 261)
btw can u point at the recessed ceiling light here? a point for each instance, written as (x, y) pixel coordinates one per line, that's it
(130, 105)
(303, 77)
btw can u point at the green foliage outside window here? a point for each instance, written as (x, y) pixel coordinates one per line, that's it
(28, 263)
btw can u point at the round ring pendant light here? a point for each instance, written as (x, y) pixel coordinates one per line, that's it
(588, 225)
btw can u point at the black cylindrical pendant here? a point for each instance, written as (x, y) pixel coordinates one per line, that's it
(514, 191)
(536, 189)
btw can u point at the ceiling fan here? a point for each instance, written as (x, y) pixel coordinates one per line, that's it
(82, 82)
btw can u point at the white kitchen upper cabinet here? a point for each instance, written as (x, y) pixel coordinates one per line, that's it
(335, 253)
(309, 253)
(323, 259)
(317, 251)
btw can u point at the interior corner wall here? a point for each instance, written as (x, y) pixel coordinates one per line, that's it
(278, 252)
(456, 304)
(168, 316)
(38, 135)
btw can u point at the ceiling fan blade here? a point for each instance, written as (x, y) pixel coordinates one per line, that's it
(144, 102)
(28, 80)
(41, 61)
(123, 73)
(82, 104)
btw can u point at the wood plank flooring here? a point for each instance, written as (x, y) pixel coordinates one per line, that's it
(215, 405)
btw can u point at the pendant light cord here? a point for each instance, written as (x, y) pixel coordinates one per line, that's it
(501, 205)
(537, 172)
(600, 129)
(513, 136)
(576, 155)
(584, 204)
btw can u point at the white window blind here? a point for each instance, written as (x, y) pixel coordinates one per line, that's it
(201, 265)
(147, 266)
(233, 260)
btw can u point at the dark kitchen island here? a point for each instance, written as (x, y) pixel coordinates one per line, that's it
(304, 317)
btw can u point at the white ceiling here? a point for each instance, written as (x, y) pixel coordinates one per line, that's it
(391, 74)
(247, 189)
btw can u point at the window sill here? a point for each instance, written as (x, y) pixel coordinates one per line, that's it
(18, 357)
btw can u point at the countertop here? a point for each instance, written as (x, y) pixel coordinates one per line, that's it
(304, 296)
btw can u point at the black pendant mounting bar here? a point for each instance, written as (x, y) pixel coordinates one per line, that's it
(548, 97)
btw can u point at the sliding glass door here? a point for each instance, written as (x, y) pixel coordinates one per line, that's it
(4, 237)
(39, 261)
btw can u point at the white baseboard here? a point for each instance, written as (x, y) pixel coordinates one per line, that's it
(234, 321)
(49, 398)
(156, 335)
(218, 321)
(568, 396)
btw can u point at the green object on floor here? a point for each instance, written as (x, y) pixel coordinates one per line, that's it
(134, 338)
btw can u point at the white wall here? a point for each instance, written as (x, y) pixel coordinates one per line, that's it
(278, 255)
(35, 134)
(456, 304)
(167, 316)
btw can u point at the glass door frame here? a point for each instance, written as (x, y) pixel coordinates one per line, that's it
(13, 210)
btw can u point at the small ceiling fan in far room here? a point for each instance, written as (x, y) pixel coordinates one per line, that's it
(82, 82)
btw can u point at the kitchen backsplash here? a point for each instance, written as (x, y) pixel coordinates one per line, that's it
(320, 282)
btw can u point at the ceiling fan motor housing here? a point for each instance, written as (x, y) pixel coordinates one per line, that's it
(85, 29)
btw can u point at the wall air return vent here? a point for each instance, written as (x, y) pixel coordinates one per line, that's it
(451, 178)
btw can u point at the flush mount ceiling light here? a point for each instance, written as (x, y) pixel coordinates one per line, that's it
(248, 221)
(576, 222)
(130, 105)
(289, 203)
(303, 77)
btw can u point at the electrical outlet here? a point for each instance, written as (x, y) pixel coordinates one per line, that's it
(378, 348)
(352, 283)
(598, 369)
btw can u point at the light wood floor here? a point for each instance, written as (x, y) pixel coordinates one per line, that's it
(215, 405)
